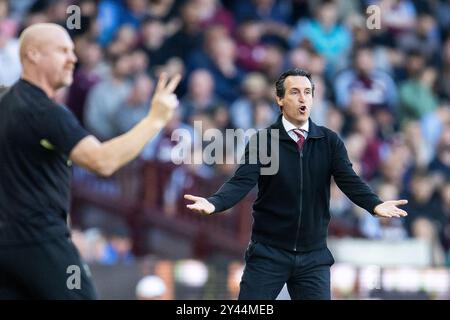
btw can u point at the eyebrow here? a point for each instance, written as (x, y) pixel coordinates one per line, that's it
(299, 89)
(66, 46)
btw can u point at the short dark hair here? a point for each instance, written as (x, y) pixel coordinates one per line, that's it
(279, 85)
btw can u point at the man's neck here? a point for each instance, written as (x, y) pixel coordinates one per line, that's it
(41, 83)
(297, 125)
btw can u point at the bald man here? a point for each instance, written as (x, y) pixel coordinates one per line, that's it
(39, 140)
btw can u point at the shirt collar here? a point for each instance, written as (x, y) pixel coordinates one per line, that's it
(288, 126)
(33, 87)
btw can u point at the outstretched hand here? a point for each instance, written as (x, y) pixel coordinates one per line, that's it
(200, 205)
(389, 209)
(164, 101)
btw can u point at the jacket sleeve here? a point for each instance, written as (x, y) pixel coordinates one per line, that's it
(244, 179)
(349, 182)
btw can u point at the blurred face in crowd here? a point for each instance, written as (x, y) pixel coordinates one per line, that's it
(356, 145)
(364, 61)
(142, 90)
(212, 34)
(327, 15)
(94, 54)
(263, 3)
(88, 7)
(122, 245)
(122, 66)
(423, 228)
(57, 10)
(126, 35)
(446, 52)
(90, 53)
(335, 119)
(367, 126)
(190, 14)
(201, 84)
(444, 146)
(316, 64)
(388, 191)
(425, 24)
(297, 101)
(273, 61)
(139, 62)
(137, 6)
(422, 189)
(263, 114)
(48, 50)
(250, 32)
(153, 33)
(415, 64)
(445, 194)
(299, 58)
(223, 50)
(3, 9)
(358, 105)
(255, 86)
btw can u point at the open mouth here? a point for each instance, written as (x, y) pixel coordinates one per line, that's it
(302, 109)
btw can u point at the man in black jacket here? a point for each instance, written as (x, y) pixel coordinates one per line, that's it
(39, 141)
(291, 213)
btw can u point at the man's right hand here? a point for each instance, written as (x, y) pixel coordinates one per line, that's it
(200, 205)
(104, 158)
(164, 101)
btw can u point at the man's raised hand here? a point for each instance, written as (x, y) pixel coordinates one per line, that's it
(164, 101)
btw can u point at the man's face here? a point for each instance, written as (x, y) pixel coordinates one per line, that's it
(365, 61)
(57, 60)
(297, 101)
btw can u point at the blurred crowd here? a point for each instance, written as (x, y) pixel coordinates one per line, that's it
(385, 90)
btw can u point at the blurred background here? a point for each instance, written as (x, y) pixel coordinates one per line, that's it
(385, 90)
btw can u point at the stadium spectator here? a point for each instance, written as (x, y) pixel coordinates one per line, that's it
(106, 97)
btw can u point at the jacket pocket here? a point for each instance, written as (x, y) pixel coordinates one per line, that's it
(323, 257)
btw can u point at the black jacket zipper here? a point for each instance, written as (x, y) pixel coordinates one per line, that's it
(301, 200)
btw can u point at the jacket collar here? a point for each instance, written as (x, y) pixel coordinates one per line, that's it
(315, 132)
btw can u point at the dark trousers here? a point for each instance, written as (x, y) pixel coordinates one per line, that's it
(267, 269)
(48, 270)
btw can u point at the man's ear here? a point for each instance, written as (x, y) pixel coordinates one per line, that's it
(33, 55)
(279, 101)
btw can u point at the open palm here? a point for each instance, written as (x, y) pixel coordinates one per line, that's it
(200, 205)
(389, 209)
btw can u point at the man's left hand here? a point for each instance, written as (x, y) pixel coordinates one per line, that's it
(388, 209)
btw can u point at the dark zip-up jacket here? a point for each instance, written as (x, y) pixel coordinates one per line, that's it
(292, 208)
